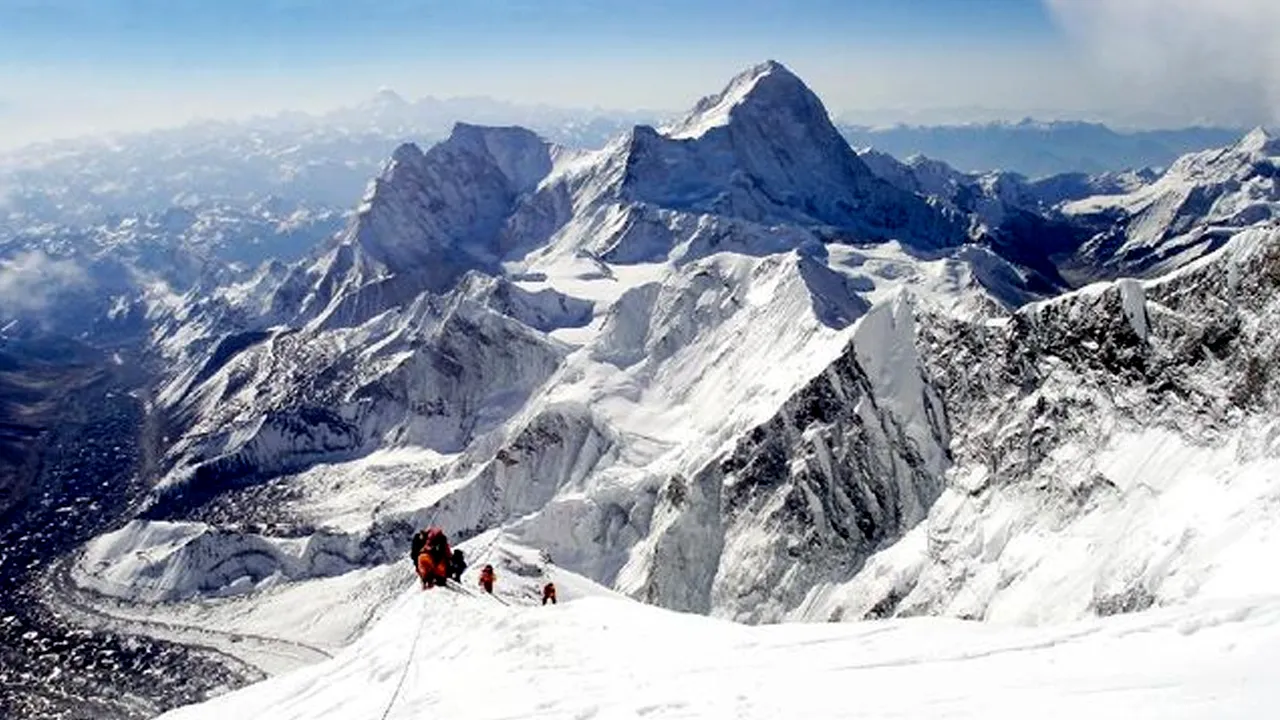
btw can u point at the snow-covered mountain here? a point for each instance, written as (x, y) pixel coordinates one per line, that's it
(320, 160)
(1036, 149)
(125, 222)
(1084, 228)
(101, 281)
(1089, 432)
(1016, 218)
(727, 366)
(443, 653)
(496, 292)
(992, 197)
(1193, 208)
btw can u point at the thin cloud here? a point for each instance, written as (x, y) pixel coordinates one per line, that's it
(1212, 59)
(31, 280)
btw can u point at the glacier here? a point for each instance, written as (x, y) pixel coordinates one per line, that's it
(728, 367)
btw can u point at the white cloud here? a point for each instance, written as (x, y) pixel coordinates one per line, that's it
(1212, 59)
(31, 280)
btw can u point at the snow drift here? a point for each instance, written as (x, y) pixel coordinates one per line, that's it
(463, 656)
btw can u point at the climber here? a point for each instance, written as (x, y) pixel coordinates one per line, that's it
(418, 542)
(457, 565)
(433, 557)
(549, 593)
(487, 578)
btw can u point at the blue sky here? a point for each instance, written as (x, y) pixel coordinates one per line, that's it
(134, 62)
(220, 32)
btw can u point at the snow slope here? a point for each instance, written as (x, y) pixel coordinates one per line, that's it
(680, 367)
(1113, 449)
(444, 653)
(1195, 207)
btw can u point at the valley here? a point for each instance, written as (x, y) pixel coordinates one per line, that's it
(726, 366)
(80, 475)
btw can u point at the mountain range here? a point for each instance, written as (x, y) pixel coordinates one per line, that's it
(727, 365)
(1039, 149)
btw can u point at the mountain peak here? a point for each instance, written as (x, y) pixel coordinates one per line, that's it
(1260, 141)
(765, 69)
(387, 99)
(767, 87)
(522, 156)
(406, 153)
(764, 150)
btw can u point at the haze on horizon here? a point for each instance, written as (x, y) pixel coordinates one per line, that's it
(77, 67)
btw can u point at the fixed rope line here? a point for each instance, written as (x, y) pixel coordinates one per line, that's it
(485, 553)
(413, 649)
(417, 635)
(489, 548)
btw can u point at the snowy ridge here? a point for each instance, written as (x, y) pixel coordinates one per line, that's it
(1016, 218)
(1195, 207)
(729, 371)
(1083, 495)
(849, 463)
(425, 221)
(441, 652)
(314, 394)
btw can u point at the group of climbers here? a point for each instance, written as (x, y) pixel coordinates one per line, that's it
(437, 564)
(432, 557)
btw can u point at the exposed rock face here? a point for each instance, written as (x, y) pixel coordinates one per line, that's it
(1081, 428)
(847, 465)
(722, 366)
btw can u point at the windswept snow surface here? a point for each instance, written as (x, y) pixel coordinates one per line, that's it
(444, 653)
(1172, 523)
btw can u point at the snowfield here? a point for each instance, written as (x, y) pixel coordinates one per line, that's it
(733, 369)
(464, 656)
(1183, 523)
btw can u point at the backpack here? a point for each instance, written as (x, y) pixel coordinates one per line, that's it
(418, 542)
(438, 542)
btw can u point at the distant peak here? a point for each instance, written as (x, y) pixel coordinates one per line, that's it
(386, 99)
(1260, 141)
(478, 136)
(769, 86)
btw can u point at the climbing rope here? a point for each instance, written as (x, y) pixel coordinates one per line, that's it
(413, 649)
(488, 548)
(422, 616)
